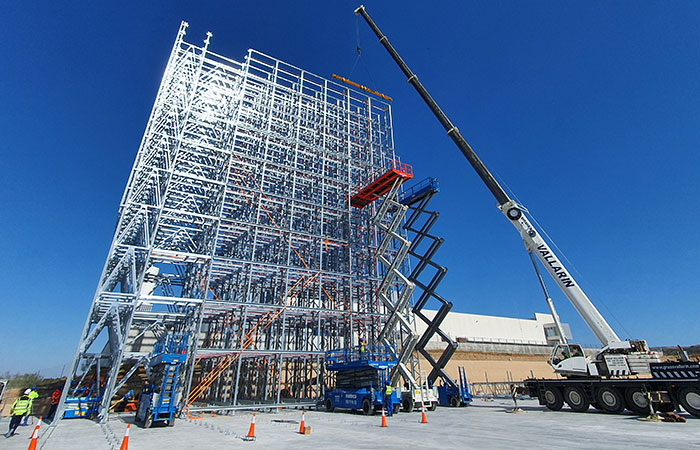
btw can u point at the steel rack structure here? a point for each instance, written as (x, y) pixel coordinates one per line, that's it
(235, 228)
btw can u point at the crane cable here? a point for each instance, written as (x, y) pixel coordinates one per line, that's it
(357, 41)
(359, 54)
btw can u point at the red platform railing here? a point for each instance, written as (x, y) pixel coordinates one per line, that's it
(381, 182)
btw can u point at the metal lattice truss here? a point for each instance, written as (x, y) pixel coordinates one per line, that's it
(235, 228)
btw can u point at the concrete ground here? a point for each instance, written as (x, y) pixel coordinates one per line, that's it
(482, 425)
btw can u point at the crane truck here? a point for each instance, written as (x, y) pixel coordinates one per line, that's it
(624, 373)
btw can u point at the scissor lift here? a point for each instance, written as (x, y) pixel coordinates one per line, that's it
(419, 223)
(360, 378)
(160, 400)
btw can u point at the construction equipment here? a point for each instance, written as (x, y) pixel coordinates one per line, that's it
(391, 253)
(419, 397)
(160, 399)
(602, 379)
(456, 393)
(418, 225)
(82, 406)
(86, 393)
(360, 378)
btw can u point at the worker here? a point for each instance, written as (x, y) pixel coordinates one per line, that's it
(388, 403)
(20, 407)
(562, 354)
(362, 348)
(55, 398)
(33, 395)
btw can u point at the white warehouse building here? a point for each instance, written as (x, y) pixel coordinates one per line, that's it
(497, 333)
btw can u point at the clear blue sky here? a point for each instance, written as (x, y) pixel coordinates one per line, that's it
(588, 111)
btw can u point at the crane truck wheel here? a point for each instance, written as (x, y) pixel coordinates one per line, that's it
(329, 405)
(553, 398)
(407, 404)
(576, 399)
(432, 406)
(690, 399)
(610, 400)
(367, 407)
(636, 400)
(453, 401)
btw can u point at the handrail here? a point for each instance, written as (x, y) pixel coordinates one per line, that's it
(426, 183)
(371, 353)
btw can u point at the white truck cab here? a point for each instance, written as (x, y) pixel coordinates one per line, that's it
(568, 359)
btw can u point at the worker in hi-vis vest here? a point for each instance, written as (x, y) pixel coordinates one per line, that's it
(33, 395)
(388, 404)
(19, 408)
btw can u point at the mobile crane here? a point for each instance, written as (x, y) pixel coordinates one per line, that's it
(604, 379)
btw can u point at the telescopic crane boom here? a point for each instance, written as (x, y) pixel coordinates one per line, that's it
(606, 380)
(514, 212)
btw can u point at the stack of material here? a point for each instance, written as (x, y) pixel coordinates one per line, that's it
(359, 378)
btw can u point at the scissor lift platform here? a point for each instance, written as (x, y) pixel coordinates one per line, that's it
(382, 184)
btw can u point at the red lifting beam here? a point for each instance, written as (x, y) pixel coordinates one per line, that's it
(382, 184)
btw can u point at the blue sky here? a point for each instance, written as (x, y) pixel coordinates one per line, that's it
(588, 111)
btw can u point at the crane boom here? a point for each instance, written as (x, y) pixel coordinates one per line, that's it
(533, 241)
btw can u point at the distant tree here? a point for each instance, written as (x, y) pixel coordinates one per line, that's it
(23, 380)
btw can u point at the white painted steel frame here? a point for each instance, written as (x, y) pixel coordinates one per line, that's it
(239, 188)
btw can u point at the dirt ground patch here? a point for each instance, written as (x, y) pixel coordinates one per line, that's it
(496, 367)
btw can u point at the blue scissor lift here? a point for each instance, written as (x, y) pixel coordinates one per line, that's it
(455, 394)
(84, 401)
(160, 399)
(360, 378)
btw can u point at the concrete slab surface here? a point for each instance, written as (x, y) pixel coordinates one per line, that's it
(485, 424)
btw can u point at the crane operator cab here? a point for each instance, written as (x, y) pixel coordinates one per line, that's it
(568, 359)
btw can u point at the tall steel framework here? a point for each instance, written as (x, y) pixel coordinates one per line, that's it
(235, 228)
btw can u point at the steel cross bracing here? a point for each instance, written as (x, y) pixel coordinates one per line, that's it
(235, 228)
(423, 247)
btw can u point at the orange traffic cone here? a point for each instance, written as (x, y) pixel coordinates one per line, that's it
(251, 430)
(383, 418)
(301, 427)
(125, 441)
(423, 418)
(35, 436)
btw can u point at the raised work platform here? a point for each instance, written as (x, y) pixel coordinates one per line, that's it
(419, 191)
(375, 357)
(382, 184)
